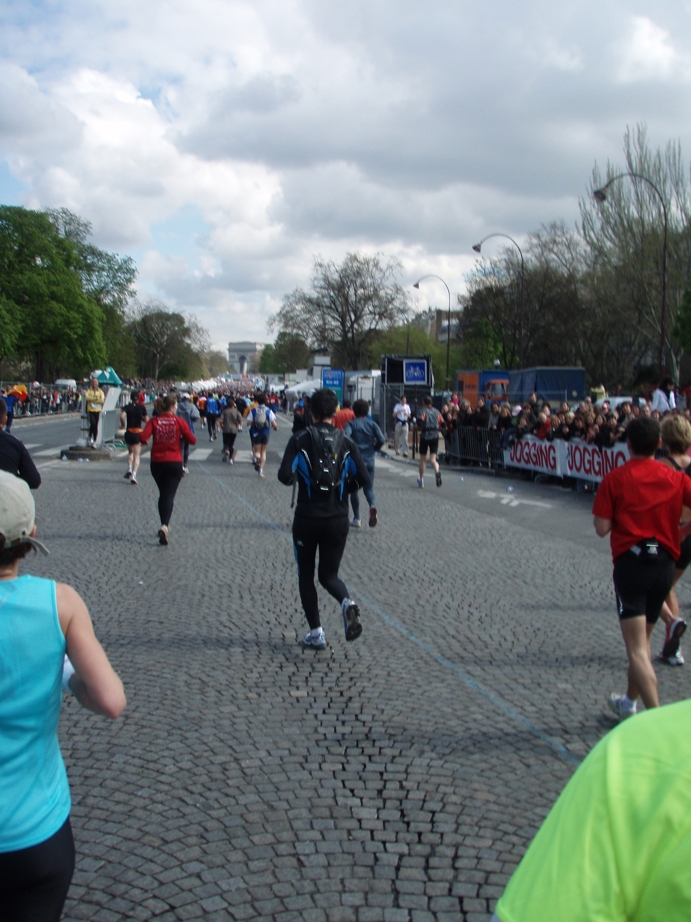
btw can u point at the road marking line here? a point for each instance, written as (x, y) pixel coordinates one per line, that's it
(201, 454)
(512, 500)
(47, 452)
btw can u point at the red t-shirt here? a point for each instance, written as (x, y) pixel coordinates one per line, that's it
(643, 499)
(167, 431)
(343, 417)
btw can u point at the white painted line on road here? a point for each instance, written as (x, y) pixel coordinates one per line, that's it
(30, 445)
(47, 452)
(393, 467)
(512, 501)
(201, 454)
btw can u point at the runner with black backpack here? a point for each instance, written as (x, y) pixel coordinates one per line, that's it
(326, 466)
(261, 421)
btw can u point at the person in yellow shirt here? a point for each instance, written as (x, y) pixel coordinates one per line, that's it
(95, 398)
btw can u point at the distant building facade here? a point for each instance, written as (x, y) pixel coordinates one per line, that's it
(243, 358)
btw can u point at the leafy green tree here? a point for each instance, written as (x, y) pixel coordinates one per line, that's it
(41, 292)
(268, 364)
(168, 344)
(347, 307)
(108, 279)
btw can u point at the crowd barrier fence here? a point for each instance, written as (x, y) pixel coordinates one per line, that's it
(577, 459)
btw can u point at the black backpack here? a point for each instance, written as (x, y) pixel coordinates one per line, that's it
(323, 458)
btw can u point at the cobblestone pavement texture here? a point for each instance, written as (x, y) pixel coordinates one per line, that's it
(398, 778)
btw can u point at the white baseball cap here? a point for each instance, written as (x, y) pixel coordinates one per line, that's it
(17, 512)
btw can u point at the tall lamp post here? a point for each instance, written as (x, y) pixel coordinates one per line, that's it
(448, 318)
(478, 249)
(600, 195)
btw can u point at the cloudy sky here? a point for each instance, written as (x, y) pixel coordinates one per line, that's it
(224, 143)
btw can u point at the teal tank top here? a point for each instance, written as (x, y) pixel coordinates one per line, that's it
(34, 793)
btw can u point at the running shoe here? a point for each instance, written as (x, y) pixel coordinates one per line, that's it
(315, 641)
(128, 475)
(133, 480)
(226, 456)
(185, 470)
(356, 523)
(420, 483)
(260, 471)
(617, 704)
(676, 660)
(351, 620)
(676, 630)
(163, 534)
(373, 517)
(438, 476)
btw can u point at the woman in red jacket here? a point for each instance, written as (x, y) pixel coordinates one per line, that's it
(166, 456)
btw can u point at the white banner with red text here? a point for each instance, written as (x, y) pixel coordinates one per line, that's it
(565, 459)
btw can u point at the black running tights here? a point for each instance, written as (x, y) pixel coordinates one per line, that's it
(328, 536)
(167, 475)
(34, 881)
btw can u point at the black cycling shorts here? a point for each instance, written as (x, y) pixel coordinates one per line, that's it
(431, 445)
(642, 582)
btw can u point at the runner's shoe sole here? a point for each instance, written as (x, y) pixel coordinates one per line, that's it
(672, 645)
(351, 620)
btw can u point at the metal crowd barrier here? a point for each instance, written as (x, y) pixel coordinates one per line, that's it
(467, 444)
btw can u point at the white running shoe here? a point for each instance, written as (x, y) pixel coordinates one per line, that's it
(315, 641)
(618, 704)
(356, 523)
(420, 483)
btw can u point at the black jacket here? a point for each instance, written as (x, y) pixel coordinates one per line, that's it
(15, 459)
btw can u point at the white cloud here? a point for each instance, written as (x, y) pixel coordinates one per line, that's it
(225, 143)
(647, 53)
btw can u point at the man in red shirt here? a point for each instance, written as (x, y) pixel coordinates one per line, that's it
(639, 505)
(344, 415)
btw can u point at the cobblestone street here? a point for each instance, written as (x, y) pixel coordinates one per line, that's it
(398, 778)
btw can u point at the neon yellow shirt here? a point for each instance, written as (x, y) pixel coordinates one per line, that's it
(616, 846)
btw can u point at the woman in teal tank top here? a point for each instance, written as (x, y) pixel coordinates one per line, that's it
(42, 623)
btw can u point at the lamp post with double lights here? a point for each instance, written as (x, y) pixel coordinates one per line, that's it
(448, 318)
(478, 249)
(600, 195)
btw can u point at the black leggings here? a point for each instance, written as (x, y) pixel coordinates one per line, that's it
(93, 425)
(34, 881)
(329, 537)
(167, 475)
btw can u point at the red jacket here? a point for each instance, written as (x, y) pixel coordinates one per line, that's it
(167, 431)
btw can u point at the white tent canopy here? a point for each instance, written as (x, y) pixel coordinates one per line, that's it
(304, 388)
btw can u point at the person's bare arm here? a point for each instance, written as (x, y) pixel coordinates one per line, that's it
(602, 526)
(95, 683)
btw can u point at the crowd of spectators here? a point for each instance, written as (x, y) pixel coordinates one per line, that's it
(598, 423)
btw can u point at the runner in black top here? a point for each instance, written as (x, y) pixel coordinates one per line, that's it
(134, 417)
(14, 457)
(321, 517)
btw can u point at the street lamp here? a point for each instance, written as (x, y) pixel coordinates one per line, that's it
(600, 195)
(478, 249)
(448, 318)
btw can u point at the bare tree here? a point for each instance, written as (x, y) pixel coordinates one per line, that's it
(347, 307)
